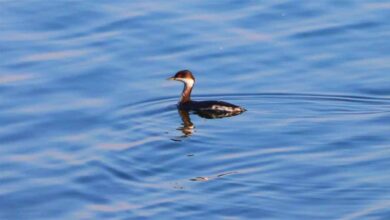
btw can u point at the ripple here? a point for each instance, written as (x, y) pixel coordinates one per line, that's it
(54, 55)
(90, 131)
(369, 212)
(335, 30)
(12, 78)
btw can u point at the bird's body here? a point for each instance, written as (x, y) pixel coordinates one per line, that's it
(209, 106)
(187, 104)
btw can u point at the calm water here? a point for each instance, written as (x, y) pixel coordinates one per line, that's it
(89, 127)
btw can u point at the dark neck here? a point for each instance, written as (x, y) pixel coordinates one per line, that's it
(186, 94)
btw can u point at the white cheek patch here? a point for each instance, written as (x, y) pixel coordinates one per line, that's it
(188, 82)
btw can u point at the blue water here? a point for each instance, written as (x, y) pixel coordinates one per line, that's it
(89, 127)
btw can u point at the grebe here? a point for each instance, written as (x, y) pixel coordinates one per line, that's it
(202, 107)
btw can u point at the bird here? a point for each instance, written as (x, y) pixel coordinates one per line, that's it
(206, 108)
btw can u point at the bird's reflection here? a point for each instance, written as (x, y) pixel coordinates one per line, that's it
(187, 127)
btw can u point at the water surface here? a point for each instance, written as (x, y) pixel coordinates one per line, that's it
(90, 129)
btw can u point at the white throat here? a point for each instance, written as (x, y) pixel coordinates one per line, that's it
(188, 82)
